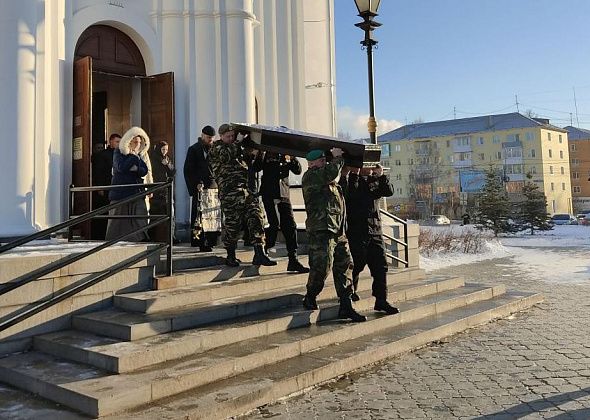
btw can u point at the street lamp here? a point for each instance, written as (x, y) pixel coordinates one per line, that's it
(368, 10)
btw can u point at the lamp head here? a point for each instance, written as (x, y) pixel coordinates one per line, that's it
(367, 7)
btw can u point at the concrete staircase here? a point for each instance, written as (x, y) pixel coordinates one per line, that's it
(215, 342)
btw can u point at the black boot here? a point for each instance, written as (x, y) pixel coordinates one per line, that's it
(385, 306)
(260, 258)
(310, 303)
(346, 311)
(295, 265)
(231, 260)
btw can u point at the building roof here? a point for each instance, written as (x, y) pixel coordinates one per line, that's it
(574, 133)
(465, 126)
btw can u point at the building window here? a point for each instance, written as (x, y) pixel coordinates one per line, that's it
(530, 136)
(512, 137)
(575, 162)
(398, 177)
(573, 147)
(463, 141)
(513, 152)
(563, 186)
(562, 170)
(498, 155)
(481, 156)
(551, 170)
(464, 156)
(550, 153)
(496, 139)
(533, 153)
(448, 143)
(513, 169)
(577, 189)
(561, 154)
(533, 169)
(399, 191)
(398, 148)
(560, 139)
(549, 136)
(411, 161)
(398, 162)
(480, 140)
(575, 175)
(552, 186)
(385, 149)
(385, 162)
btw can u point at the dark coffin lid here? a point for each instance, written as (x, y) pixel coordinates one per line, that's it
(298, 143)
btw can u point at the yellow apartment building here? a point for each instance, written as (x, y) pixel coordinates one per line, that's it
(439, 167)
(579, 150)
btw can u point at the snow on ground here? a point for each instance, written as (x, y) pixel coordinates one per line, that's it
(561, 255)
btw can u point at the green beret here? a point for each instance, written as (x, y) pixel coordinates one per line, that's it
(315, 154)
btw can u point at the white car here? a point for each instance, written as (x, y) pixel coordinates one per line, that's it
(439, 219)
(564, 219)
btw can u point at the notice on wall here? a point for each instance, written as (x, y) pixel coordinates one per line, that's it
(77, 148)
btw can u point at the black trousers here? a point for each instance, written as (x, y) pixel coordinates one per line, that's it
(205, 238)
(284, 220)
(369, 252)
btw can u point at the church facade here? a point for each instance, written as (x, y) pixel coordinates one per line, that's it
(74, 71)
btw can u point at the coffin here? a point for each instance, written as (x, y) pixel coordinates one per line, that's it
(298, 143)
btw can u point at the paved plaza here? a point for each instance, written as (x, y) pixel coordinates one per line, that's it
(535, 365)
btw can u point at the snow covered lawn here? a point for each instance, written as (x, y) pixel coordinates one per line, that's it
(561, 255)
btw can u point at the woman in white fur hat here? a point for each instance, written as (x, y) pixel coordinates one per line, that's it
(130, 166)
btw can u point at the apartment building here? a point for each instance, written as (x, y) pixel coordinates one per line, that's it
(439, 167)
(579, 151)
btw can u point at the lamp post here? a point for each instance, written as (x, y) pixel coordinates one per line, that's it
(368, 10)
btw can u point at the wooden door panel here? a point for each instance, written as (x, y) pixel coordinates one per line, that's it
(82, 136)
(157, 108)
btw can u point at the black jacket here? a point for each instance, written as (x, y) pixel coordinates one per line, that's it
(162, 169)
(275, 175)
(102, 167)
(197, 169)
(362, 195)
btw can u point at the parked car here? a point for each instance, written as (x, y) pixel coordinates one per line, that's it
(564, 219)
(439, 219)
(583, 218)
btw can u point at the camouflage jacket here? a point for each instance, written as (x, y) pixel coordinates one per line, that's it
(324, 201)
(229, 168)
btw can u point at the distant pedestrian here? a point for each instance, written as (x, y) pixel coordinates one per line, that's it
(325, 227)
(130, 166)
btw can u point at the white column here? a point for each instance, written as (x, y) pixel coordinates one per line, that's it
(238, 66)
(285, 63)
(271, 83)
(18, 50)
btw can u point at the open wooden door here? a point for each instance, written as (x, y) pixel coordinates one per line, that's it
(82, 139)
(157, 108)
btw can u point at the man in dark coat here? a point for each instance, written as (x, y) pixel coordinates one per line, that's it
(274, 189)
(198, 177)
(102, 173)
(363, 192)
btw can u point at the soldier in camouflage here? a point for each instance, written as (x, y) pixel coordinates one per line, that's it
(325, 226)
(237, 201)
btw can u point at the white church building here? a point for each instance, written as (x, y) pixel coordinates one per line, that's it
(74, 71)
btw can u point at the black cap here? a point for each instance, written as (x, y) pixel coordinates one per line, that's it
(210, 131)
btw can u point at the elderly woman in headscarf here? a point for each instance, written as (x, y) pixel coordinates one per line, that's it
(130, 166)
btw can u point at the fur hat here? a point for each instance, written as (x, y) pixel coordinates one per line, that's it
(129, 135)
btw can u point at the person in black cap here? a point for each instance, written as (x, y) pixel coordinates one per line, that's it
(199, 180)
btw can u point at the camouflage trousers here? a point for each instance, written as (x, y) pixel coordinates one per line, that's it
(327, 251)
(238, 206)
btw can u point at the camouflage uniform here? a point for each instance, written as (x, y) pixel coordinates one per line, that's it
(325, 226)
(237, 201)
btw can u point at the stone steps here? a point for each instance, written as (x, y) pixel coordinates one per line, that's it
(200, 290)
(246, 391)
(115, 355)
(125, 325)
(310, 353)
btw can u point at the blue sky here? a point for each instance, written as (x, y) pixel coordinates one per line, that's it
(474, 55)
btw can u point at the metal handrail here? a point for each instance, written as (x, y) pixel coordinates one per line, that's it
(155, 220)
(404, 243)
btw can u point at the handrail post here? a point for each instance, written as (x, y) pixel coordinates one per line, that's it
(406, 250)
(169, 213)
(70, 210)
